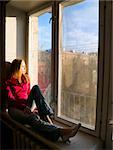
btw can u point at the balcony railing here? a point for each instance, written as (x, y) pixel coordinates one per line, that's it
(77, 107)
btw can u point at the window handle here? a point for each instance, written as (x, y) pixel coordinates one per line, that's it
(52, 19)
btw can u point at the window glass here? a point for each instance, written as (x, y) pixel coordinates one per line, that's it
(40, 51)
(78, 62)
(44, 52)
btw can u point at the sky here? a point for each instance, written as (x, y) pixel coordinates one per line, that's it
(44, 25)
(80, 27)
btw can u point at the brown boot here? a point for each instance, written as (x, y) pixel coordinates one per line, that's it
(70, 133)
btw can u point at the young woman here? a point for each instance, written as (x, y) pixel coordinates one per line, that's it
(20, 99)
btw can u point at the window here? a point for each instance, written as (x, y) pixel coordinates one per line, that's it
(10, 38)
(40, 51)
(78, 62)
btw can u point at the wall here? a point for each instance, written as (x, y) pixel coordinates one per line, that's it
(21, 22)
(2, 45)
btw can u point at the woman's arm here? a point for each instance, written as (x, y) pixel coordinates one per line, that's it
(28, 91)
(49, 120)
(12, 101)
(10, 94)
(28, 83)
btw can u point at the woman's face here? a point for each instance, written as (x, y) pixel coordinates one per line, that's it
(22, 67)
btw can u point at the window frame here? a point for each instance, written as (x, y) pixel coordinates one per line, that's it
(54, 59)
(100, 76)
(37, 12)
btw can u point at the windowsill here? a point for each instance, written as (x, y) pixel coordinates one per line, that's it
(82, 141)
(71, 121)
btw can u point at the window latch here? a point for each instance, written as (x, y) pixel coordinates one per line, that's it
(52, 19)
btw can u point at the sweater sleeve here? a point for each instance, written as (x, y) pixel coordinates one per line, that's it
(10, 94)
(12, 100)
(28, 82)
(28, 92)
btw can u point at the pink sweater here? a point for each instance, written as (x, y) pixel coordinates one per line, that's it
(18, 92)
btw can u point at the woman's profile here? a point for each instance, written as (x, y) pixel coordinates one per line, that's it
(20, 99)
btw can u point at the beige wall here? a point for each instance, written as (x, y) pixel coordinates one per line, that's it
(10, 39)
(20, 29)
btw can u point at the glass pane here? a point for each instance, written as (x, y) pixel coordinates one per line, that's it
(78, 62)
(44, 54)
(40, 51)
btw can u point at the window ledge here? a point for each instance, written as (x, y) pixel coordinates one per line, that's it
(82, 141)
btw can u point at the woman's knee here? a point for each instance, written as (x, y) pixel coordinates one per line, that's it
(36, 87)
(36, 90)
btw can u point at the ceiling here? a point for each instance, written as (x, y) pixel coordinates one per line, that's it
(27, 5)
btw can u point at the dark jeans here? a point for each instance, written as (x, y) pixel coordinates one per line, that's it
(46, 129)
(43, 107)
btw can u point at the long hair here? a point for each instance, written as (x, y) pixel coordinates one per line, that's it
(15, 65)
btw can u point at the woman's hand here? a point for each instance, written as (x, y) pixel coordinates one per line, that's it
(49, 120)
(27, 110)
